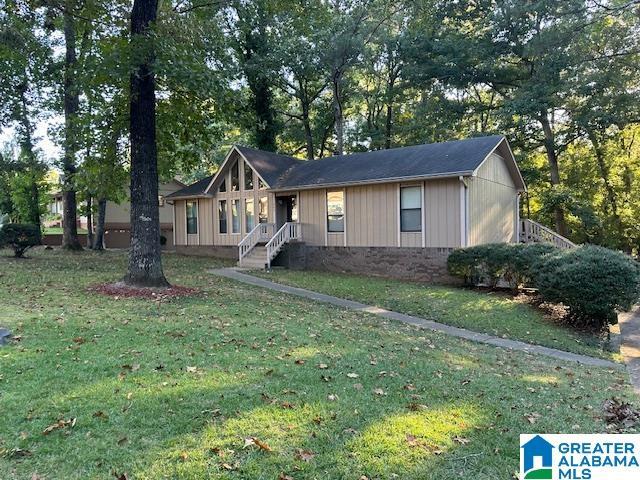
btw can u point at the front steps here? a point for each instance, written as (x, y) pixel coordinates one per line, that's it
(256, 259)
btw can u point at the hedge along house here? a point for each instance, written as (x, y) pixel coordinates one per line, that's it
(396, 212)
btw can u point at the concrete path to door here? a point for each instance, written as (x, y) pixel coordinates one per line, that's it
(234, 274)
(630, 348)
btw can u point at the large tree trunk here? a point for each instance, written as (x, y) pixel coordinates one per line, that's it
(552, 159)
(89, 221)
(71, 105)
(145, 264)
(98, 240)
(265, 121)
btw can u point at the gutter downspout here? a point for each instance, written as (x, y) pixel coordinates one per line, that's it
(464, 211)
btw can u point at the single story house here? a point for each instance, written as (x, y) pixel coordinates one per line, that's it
(117, 218)
(396, 212)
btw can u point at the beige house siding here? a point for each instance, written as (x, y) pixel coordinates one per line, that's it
(371, 216)
(442, 213)
(205, 221)
(492, 203)
(180, 228)
(119, 214)
(313, 216)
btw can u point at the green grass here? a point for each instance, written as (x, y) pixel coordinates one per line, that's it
(171, 390)
(495, 313)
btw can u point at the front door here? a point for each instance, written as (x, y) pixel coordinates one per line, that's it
(286, 209)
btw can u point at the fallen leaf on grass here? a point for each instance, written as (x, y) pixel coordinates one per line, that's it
(323, 366)
(121, 476)
(460, 440)
(283, 476)
(352, 375)
(532, 417)
(249, 441)
(379, 392)
(192, 369)
(305, 455)
(58, 425)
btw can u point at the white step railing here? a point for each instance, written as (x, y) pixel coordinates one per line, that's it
(260, 233)
(289, 231)
(533, 232)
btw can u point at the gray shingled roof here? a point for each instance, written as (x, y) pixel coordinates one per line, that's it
(435, 159)
(195, 189)
(271, 166)
(457, 157)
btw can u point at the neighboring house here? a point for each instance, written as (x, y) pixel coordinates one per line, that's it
(56, 213)
(117, 217)
(395, 212)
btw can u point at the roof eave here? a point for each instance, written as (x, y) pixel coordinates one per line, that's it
(413, 178)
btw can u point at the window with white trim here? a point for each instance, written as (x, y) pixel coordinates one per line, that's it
(335, 211)
(222, 216)
(235, 216)
(411, 209)
(249, 214)
(192, 218)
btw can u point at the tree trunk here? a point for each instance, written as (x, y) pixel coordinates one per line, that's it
(306, 123)
(145, 263)
(89, 221)
(98, 240)
(552, 159)
(338, 118)
(71, 105)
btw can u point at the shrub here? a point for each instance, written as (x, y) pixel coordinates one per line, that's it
(21, 237)
(492, 262)
(163, 240)
(594, 282)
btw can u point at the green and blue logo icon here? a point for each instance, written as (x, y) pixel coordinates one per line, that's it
(537, 459)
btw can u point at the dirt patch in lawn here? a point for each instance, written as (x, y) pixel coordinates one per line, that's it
(122, 290)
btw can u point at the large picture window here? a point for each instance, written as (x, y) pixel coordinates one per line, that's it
(249, 214)
(192, 218)
(223, 186)
(222, 215)
(263, 210)
(235, 175)
(248, 177)
(335, 211)
(235, 216)
(411, 209)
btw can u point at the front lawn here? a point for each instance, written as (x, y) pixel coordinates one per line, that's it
(242, 383)
(494, 313)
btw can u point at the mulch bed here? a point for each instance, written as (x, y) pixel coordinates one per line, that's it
(122, 290)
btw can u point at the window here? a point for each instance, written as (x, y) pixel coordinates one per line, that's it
(248, 177)
(235, 216)
(261, 184)
(161, 200)
(222, 215)
(411, 209)
(249, 214)
(192, 218)
(263, 210)
(335, 211)
(235, 183)
(223, 186)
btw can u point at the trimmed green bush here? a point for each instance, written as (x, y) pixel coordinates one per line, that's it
(19, 236)
(489, 263)
(594, 282)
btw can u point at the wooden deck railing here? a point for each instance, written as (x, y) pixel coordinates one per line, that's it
(289, 231)
(262, 232)
(533, 232)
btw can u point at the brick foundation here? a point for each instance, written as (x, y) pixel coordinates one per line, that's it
(418, 264)
(218, 251)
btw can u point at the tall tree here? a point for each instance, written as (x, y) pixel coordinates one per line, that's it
(71, 100)
(145, 263)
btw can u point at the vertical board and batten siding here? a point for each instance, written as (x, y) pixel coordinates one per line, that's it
(492, 203)
(372, 215)
(312, 214)
(180, 222)
(205, 221)
(442, 213)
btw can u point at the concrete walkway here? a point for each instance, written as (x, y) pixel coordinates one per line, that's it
(630, 348)
(234, 274)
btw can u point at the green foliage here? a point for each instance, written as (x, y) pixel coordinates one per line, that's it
(594, 282)
(21, 237)
(513, 262)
